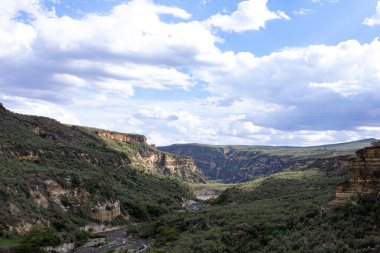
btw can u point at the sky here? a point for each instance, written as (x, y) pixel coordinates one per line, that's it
(253, 72)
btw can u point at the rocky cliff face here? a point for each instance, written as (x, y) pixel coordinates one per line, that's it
(106, 211)
(244, 163)
(158, 162)
(150, 158)
(230, 165)
(364, 175)
(121, 136)
(70, 176)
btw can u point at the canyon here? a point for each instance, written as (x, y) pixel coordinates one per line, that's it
(233, 164)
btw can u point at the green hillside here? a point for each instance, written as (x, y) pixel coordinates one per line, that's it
(54, 174)
(285, 212)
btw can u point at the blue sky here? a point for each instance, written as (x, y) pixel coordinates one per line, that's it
(272, 72)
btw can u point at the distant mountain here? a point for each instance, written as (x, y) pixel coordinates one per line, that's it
(70, 176)
(244, 163)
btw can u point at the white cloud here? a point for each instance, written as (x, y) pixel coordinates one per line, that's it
(300, 82)
(346, 89)
(250, 15)
(40, 108)
(79, 66)
(375, 19)
(302, 12)
(61, 53)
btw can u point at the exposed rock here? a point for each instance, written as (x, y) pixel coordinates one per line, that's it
(64, 248)
(233, 165)
(191, 205)
(205, 194)
(364, 175)
(29, 156)
(39, 198)
(105, 212)
(55, 189)
(21, 228)
(94, 228)
(121, 136)
(13, 209)
(184, 167)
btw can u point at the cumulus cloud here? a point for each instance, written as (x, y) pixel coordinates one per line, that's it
(316, 87)
(95, 68)
(39, 107)
(127, 48)
(250, 15)
(375, 19)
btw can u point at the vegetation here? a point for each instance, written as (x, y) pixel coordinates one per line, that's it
(85, 170)
(52, 175)
(281, 213)
(234, 164)
(376, 143)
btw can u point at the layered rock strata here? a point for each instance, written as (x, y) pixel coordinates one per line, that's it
(121, 136)
(364, 175)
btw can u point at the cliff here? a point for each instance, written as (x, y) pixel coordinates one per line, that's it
(149, 158)
(69, 176)
(364, 176)
(122, 137)
(244, 163)
(105, 212)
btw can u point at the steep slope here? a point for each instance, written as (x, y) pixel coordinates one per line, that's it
(284, 212)
(69, 176)
(364, 176)
(243, 163)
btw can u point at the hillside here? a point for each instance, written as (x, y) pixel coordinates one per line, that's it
(244, 163)
(284, 212)
(68, 176)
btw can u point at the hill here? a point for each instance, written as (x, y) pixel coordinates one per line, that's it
(68, 176)
(284, 212)
(244, 163)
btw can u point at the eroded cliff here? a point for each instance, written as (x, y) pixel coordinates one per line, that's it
(364, 176)
(69, 176)
(244, 163)
(122, 137)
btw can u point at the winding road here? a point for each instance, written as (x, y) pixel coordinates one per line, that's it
(118, 240)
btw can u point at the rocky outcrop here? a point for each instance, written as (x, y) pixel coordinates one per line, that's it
(106, 211)
(364, 175)
(121, 136)
(151, 159)
(38, 197)
(63, 248)
(158, 162)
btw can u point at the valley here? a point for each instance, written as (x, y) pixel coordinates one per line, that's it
(243, 163)
(79, 189)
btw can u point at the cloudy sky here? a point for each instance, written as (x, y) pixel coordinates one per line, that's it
(272, 72)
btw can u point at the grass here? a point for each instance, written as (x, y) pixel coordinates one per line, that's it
(10, 243)
(209, 185)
